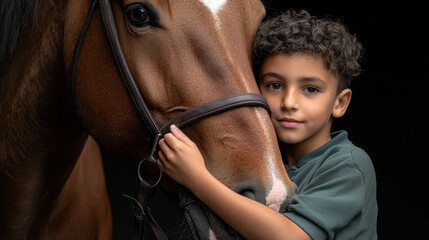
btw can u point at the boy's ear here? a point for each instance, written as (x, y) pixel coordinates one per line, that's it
(342, 102)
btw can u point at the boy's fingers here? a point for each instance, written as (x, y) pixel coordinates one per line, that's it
(164, 154)
(179, 134)
(171, 142)
(161, 160)
(163, 146)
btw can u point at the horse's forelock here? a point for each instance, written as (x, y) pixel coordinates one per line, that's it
(14, 16)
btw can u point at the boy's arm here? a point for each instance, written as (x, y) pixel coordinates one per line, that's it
(181, 160)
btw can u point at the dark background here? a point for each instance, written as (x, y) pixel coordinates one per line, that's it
(387, 115)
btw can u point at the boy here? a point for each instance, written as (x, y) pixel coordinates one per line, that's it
(304, 66)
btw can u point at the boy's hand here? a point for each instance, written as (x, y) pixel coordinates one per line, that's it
(180, 158)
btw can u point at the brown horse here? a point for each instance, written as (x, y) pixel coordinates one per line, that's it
(181, 53)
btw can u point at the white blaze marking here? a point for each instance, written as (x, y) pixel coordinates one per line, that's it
(278, 191)
(277, 194)
(214, 5)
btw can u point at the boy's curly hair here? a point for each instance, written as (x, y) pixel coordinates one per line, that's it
(299, 32)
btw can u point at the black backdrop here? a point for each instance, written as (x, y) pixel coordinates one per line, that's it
(387, 116)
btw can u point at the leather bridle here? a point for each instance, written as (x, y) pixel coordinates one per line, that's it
(184, 119)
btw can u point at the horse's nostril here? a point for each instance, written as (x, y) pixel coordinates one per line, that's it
(248, 193)
(251, 188)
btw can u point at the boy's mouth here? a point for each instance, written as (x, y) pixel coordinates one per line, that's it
(289, 122)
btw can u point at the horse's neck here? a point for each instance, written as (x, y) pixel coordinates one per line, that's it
(34, 110)
(82, 210)
(39, 138)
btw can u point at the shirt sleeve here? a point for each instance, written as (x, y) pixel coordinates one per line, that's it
(332, 196)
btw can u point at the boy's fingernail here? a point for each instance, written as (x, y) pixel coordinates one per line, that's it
(176, 132)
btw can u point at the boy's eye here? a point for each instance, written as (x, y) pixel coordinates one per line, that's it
(274, 86)
(311, 90)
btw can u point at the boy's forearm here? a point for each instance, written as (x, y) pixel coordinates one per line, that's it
(250, 218)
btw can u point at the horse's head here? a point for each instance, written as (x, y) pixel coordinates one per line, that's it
(181, 54)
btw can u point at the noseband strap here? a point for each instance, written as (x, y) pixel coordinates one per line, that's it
(215, 107)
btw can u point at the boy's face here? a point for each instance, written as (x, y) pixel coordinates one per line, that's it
(302, 95)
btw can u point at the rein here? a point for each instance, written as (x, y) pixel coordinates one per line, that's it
(140, 206)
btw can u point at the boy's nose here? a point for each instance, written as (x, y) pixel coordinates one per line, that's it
(290, 101)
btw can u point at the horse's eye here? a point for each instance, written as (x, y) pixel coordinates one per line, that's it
(139, 16)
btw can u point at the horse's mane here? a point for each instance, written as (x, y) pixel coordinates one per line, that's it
(14, 16)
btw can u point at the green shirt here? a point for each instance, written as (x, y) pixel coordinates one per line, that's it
(336, 192)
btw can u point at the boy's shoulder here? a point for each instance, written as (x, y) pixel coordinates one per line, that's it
(339, 155)
(342, 149)
(341, 144)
